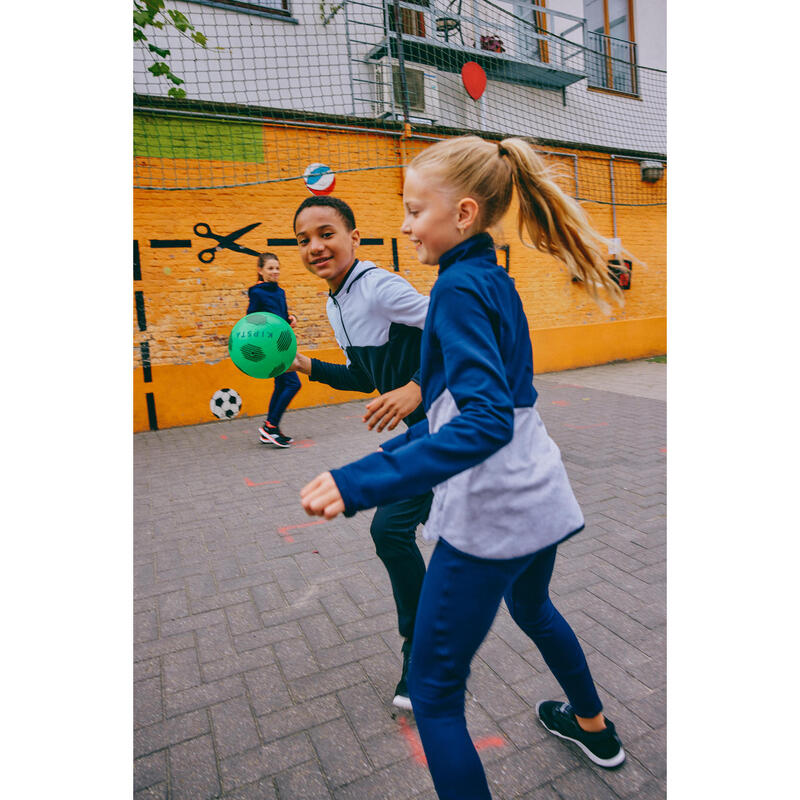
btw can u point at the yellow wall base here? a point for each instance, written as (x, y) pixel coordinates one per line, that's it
(182, 393)
(556, 349)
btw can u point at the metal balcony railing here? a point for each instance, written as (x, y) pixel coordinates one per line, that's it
(514, 42)
(611, 63)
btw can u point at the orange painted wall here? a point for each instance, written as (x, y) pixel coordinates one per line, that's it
(189, 307)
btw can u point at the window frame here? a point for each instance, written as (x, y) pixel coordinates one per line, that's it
(608, 59)
(245, 7)
(406, 17)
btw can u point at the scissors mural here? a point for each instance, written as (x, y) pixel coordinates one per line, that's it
(223, 242)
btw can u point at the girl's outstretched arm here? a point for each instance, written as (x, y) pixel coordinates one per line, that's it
(321, 498)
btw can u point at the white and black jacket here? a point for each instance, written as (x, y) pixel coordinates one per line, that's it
(377, 317)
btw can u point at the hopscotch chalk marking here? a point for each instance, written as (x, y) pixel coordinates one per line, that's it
(248, 482)
(418, 754)
(284, 531)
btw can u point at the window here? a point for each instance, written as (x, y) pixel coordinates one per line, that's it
(413, 22)
(611, 62)
(271, 6)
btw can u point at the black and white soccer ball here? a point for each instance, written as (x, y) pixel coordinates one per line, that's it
(225, 403)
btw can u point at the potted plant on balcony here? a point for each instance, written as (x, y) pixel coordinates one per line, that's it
(492, 43)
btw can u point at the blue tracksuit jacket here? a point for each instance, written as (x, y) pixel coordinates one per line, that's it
(500, 487)
(377, 318)
(268, 296)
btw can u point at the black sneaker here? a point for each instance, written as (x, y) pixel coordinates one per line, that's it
(604, 747)
(270, 434)
(401, 698)
(287, 439)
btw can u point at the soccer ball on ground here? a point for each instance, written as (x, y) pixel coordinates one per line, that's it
(225, 403)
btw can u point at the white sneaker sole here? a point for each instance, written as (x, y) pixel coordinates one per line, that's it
(614, 761)
(402, 702)
(267, 438)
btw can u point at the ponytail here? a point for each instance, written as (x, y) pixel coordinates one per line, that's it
(554, 222)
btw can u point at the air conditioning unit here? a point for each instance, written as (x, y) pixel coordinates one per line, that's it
(423, 93)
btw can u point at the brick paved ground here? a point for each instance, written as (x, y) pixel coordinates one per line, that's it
(266, 648)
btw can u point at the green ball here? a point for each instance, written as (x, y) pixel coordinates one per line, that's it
(262, 345)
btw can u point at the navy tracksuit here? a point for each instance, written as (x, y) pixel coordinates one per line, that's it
(268, 296)
(377, 317)
(502, 503)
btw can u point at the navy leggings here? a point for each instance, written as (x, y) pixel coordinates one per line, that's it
(459, 601)
(394, 531)
(286, 387)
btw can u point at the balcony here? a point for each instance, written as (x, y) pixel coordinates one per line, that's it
(543, 49)
(611, 63)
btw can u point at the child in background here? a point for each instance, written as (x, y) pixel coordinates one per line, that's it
(502, 499)
(266, 295)
(377, 317)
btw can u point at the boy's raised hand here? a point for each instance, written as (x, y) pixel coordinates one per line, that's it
(389, 409)
(321, 497)
(301, 363)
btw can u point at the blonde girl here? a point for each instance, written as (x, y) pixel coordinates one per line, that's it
(502, 499)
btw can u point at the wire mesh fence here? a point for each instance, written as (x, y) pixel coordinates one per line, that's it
(365, 84)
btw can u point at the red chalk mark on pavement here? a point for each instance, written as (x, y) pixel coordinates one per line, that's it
(663, 450)
(418, 754)
(413, 742)
(223, 436)
(304, 443)
(284, 531)
(248, 482)
(489, 741)
(560, 402)
(586, 427)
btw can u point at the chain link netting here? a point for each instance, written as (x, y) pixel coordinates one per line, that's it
(365, 84)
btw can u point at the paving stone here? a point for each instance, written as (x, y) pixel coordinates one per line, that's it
(150, 668)
(400, 781)
(170, 731)
(530, 768)
(367, 712)
(173, 605)
(339, 752)
(276, 664)
(267, 689)
(295, 658)
(242, 617)
(147, 705)
(204, 695)
(263, 789)
(326, 681)
(215, 642)
(150, 770)
(157, 792)
(265, 761)
(651, 708)
(299, 717)
(303, 782)
(651, 750)
(193, 770)
(583, 784)
(158, 647)
(234, 727)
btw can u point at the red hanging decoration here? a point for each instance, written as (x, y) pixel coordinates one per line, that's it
(474, 79)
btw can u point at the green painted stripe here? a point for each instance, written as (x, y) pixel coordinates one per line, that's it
(164, 137)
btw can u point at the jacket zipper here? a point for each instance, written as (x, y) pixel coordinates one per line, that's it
(341, 318)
